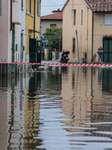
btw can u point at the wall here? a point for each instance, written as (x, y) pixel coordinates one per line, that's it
(21, 29)
(84, 31)
(4, 32)
(99, 31)
(29, 25)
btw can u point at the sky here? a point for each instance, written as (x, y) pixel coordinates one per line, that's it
(47, 6)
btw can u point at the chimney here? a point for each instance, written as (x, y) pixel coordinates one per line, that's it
(55, 11)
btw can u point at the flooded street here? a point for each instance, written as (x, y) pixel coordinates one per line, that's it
(57, 108)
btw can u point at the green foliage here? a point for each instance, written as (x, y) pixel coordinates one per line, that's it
(51, 36)
(94, 56)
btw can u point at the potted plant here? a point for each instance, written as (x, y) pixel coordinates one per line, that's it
(94, 56)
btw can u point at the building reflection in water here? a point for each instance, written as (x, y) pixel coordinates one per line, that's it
(80, 98)
(15, 112)
(23, 111)
(76, 93)
(86, 94)
(32, 112)
(3, 112)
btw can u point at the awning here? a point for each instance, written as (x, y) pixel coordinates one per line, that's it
(15, 22)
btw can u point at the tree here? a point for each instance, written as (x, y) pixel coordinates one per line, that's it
(51, 35)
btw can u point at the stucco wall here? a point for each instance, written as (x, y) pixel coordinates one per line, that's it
(100, 30)
(4, 32)
(21, 29)
(84, 31)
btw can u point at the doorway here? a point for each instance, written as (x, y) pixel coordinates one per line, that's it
(107, 50)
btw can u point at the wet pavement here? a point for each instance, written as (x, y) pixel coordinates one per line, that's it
(57, 108)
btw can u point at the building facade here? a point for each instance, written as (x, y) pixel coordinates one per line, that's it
(12, 25)
(87, 26)
(21, 32)
(32, 27)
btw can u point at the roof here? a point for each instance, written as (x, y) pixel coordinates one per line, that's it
(97, 5)
(55, 16)
(101, 5)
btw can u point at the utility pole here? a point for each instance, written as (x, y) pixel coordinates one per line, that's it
(59, 38)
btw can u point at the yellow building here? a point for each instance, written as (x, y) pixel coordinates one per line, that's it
(32, 29)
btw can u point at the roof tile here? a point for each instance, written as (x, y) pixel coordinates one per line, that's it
(55, 16)
(101, 5)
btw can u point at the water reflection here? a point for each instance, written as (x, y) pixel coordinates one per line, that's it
(57, 108)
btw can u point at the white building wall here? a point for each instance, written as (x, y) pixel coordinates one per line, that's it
(4, 31)
(21, 29)
(18, 15)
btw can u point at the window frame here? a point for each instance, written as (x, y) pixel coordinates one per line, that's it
(74, 17)
(21, 4)
(38, 7)
(81, 16)
(30, 6)
(53, 25)
(104, 21)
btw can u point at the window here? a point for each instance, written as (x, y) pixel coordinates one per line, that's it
(0, 7)
(37, 7)
(21, 3)
(73, 45)
(30, 6)
(81, 17)
(107, 19)
(74, 17)
(51, 25)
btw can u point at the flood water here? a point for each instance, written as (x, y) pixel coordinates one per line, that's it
(57, 108)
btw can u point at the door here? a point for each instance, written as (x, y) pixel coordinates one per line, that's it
(107, 50)
(107, 80)
(34, 51)
(38, 43)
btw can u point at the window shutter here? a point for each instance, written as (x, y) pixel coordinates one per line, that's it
(81, 17)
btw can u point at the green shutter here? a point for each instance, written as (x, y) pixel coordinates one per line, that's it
(110, 45)
(73, 45)
(105, 45)
(107, 80)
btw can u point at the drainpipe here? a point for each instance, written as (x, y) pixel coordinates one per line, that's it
(10, 15)
(92, 34)
(34, 19)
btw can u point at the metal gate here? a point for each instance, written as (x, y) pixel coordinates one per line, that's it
(107, 50)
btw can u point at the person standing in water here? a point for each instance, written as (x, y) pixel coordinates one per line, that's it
(100, 54)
